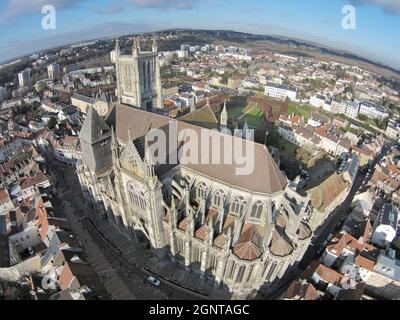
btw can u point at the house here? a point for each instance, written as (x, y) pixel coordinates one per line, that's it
(385, 226)
(101, 102)
(77, 274)
(393, 129)
(67, 113)
(301, 290)
(6, 203)
(325, 198)
(49, 106)
(328, 279)
(28, 185)
(67, 150)
(387, 265)
(317, 120)
(362, 262)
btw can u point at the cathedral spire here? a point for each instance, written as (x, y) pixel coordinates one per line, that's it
(224, 116)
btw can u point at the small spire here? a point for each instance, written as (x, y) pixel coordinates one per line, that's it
(173, 207)
(117, 47)
(148, 156)
(129, 134)
(154, 45)
(136, 45)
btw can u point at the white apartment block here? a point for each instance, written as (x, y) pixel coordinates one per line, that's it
(24, 77)
(54, 71)
(317, 101)
(373, 111)
(3, 94)
(280, 92)
(393, 129)
(350, 109)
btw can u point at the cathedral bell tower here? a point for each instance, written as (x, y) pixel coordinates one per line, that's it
(138, 77)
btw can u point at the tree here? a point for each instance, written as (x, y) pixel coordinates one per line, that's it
(52, 123)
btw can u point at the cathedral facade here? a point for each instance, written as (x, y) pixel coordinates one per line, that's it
(241, 232)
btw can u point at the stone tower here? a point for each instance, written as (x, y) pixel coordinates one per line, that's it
(95, 138)
(138, 77)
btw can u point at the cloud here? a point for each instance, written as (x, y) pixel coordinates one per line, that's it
(104, 30)
(389, 6)
(110, 9)
(164, 4)
(16, 8)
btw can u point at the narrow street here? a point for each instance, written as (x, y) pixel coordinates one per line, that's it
(119, 263)
(332, 222)
(122, 265)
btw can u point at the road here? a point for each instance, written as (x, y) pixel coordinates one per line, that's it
(127, 273)
(121, 265)
(333, 221)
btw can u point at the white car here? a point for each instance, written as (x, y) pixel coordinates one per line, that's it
(154, 281)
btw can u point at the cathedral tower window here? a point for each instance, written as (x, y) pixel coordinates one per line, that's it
(137, 196)
(201, 191)
(257, 210)
(218, 199)
(238, 205)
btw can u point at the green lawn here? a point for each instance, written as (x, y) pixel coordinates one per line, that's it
(301, 110)
(234, 112)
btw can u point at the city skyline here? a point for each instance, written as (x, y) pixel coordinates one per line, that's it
(374, 37)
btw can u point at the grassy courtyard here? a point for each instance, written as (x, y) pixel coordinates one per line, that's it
(253, 115)
(304, 110)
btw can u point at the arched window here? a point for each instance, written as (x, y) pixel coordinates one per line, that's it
(201, 191)
(136, 196)
(185, 182)
(237, 205)
(257, 210)
(218, 199)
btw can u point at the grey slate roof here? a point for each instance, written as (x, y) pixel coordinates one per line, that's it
(265, 178)
(94, 128)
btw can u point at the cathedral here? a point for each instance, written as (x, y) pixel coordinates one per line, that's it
(240, 232)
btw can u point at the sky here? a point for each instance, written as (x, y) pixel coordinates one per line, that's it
(376, 34)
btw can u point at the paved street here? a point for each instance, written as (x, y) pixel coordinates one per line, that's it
(333, 221)
(123, 265)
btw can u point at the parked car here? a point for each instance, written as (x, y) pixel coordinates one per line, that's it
(154, 281)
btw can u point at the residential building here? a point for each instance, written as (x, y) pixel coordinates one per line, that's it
(393, 129)
(280, 92)
(385, 226)
(54, 71)
(24, 78)
(373, 111)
